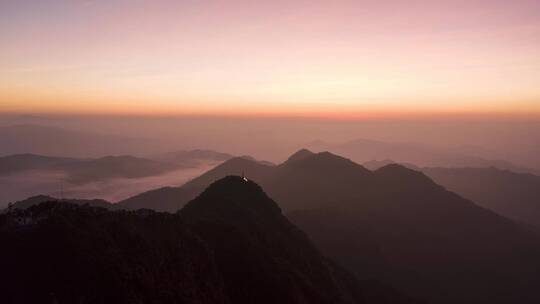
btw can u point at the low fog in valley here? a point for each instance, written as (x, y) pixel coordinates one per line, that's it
(22, 185)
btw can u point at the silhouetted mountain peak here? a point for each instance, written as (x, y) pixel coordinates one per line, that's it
(259, 250)
(232, 196)
(377, 164)
(232, 184)
(397, 169)
(393, 167)
(325, 155)
(325, 161)
(299, 155)
(238, 166)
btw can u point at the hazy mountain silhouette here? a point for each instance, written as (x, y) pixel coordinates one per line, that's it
(173, 198)
(394, 224)
(365, 150)
(377, 164)
(301, 167)
(191, 157)
(229, 245)
(427, 241)
(249, 236)
(299, 155)
(91, 255)
(514, 195)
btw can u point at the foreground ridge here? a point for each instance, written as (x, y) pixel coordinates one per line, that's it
(231, 244)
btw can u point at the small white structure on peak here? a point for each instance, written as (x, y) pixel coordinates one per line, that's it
(244, 177)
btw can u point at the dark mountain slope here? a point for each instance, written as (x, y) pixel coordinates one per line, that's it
(514, 195)
(229, 245)
(326, 172)
(299, 155)
(397, 226)
(429, 242)
(377, 164)
(319, 180)
(173, 198)
(266, 259)
(168, 199)
(76, 254)
(511, 194)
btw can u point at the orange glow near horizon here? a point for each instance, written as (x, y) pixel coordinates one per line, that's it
(340, 59)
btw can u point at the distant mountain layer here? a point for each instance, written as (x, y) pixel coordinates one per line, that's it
(229, 245)
(275, 179)
(377, 164)
(364, 150)
(191, 157)
(393, 224)
(83, 170)
(511, 194)
(514, 195)
(195, 157)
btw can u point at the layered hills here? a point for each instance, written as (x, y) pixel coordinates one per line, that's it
(393, 224)
(231, 244)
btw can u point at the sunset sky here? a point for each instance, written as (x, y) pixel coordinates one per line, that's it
(307, 58)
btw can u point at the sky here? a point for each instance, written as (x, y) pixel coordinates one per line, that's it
(340, 59)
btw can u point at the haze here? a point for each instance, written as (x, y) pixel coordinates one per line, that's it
(337, 59)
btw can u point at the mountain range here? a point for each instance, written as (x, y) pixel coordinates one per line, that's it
(112, 178)
(191, 157)
(511, 194)
(393, 224)
(82, 170)
(420, 154)
(514, 195)
(231, 244)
